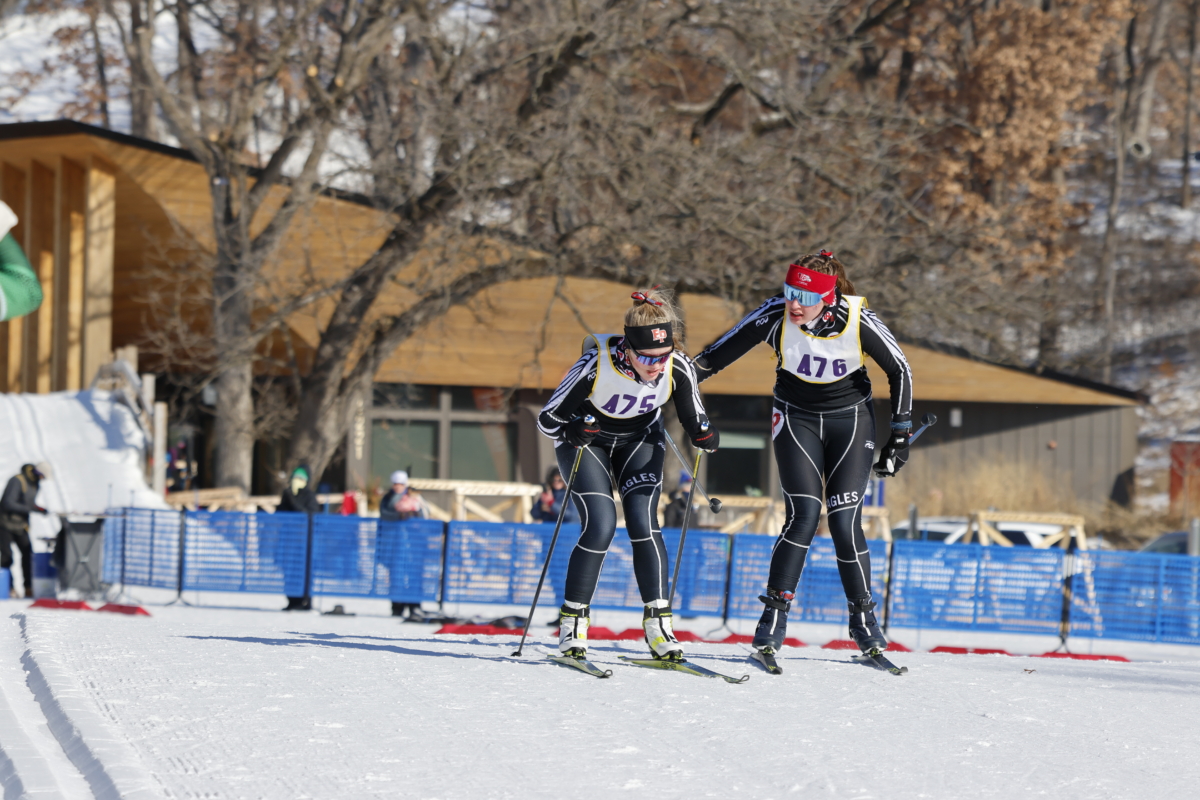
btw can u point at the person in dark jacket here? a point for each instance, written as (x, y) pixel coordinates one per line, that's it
(19, 500)
(299, 498)
(549, 505)
(673, 514)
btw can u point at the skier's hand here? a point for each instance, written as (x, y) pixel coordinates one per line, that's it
(580, 433)
(893, 453)
(707, 440)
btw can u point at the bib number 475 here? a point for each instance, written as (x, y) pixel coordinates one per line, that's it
(806, 366)
(646, 406)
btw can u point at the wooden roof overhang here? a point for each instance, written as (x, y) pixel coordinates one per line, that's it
(520, 334)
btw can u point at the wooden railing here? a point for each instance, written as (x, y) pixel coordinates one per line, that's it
(1070, 526)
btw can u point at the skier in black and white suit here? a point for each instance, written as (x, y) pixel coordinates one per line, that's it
(623, 381)
(822, 428)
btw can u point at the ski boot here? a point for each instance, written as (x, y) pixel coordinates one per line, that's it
(656, 622)
(772, 625)
(573, 621)
(864, 630)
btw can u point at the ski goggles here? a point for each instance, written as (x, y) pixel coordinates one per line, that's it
(651, 361)
(805, 298)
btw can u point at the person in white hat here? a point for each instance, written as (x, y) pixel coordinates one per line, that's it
(401, 503)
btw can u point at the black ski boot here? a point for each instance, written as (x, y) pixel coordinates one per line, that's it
(768, 636)
(864, 630)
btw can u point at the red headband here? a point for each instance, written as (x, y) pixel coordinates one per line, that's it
(811, 281)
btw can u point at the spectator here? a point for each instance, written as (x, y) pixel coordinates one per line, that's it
(549, 504)
(401, 503)
(298, 497)
(673, 514)
(20, 498)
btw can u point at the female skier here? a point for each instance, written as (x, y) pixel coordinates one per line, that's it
(822, 428)
(622, 381)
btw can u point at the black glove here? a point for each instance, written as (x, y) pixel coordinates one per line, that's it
(706, 440)
(893, 453)
(579, 433)
(39, 510)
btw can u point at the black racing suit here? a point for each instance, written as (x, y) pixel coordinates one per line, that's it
(823, 435)
(628, 452)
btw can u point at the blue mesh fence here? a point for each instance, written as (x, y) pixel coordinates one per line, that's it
(227, 551)
(976, 587)
(1140, 596)
(1137, 596)
(819, 596)
(143, 549)
(497, 562)
(355, 556)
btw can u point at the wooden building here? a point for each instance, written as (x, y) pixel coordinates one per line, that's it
(99, 209)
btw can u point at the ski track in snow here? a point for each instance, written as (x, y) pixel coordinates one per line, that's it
(230, 703)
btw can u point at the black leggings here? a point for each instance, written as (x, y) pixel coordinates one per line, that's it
(21, 539)
(637, 463)
(833, 450)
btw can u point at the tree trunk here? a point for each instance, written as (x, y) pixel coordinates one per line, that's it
(232, 324)
(1185, 186)
(1108, 272)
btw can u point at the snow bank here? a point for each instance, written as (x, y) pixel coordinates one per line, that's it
(92, 444)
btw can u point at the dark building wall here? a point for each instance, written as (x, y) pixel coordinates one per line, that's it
(1093, 447)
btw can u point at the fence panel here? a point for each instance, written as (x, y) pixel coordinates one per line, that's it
(144, 550)
(114, 544)
(819, 596)
(1140, 596)
(228, 551)
(413, 551)
(498, 562)
(976, 587)
(362, 557)
(703, 572)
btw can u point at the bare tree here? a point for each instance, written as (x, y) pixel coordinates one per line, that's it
(292, 67)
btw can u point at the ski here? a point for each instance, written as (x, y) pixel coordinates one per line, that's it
(768, 662)
(581, 664)
(682, 666)
(877, 660)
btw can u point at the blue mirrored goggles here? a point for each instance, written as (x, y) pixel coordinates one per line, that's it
(650, 361)
(806, 298)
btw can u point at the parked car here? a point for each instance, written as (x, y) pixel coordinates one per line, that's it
(952, 530)
(1174, 543)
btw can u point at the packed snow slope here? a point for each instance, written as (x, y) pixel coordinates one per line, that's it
(91, 442)
(228, 703)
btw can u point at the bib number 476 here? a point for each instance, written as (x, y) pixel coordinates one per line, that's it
(806, 366)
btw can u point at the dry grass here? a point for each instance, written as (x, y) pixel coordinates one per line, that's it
(1015, 486)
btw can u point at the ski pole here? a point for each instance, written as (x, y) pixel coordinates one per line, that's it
(687, 513)
(926, 421)
(714, 504)
(562, 512)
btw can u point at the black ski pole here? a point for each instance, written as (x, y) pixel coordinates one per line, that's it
(562, 512)
(886, 468)
(714, 503)
(687, 513)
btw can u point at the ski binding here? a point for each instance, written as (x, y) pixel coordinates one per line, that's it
(682, 666)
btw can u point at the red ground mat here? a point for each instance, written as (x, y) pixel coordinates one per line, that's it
(76, 605)
(979, 651)
(848, 644)
(1083, 657)
(117, 608)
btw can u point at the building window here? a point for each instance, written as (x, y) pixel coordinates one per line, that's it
(410, 445)
(458, 432)
(482, 451)
(738, 467)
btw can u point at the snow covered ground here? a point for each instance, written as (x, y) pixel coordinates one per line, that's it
(223, 702)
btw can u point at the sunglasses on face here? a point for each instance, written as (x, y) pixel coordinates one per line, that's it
(650, 361)
(805, 298)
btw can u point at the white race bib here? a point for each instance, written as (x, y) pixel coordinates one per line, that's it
(619, 396)
(816, 359)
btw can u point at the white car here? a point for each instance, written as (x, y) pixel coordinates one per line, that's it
(952, 530)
